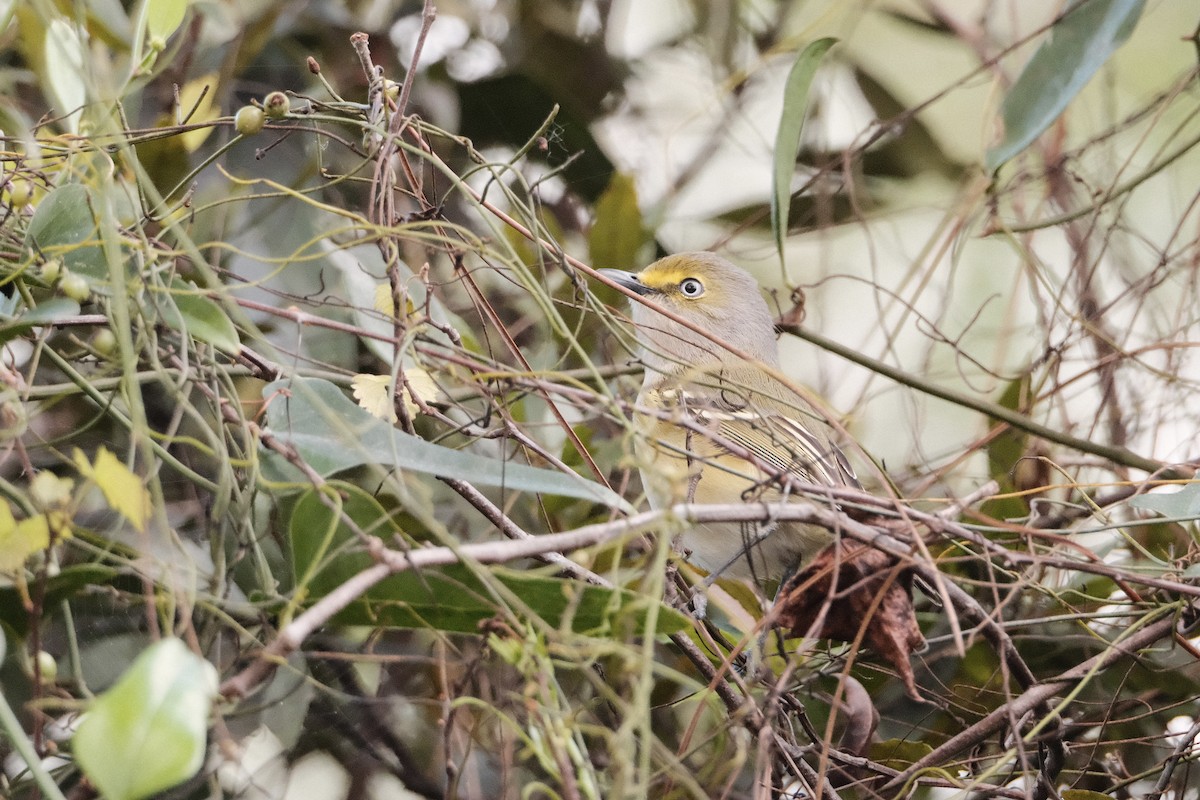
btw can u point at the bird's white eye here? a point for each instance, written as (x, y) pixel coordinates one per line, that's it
(691, 287)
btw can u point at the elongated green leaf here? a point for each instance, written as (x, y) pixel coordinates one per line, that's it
(65, 54)
(63, 586)
(1084, 794)
(331, 433)
(618, 233)
(1087, 35)
(326, 553)
(51, 310)
(1184, 504)
(149, 731)
(1005, 451)
(899, 753)
(791, 126)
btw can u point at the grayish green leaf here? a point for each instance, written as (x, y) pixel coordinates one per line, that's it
(65, 227)
(791, 126)
(332, 434)
(1086, 36)
(1184, 504)
(51, 310)
(199, 317)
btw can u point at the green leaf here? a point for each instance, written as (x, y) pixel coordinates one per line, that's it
(791, 126)
(1007, 448)
(326, 553)
(331, 434)
(45, 313)
(65, 227)
(148, 732)
(1005, 451)
(64, 54)
(618, 234)
(898, 753)
(1086, 36)
(361, 270)
(163, 17)
(199, 317)
(1184, 504)
(63, 586)
(1084, 794)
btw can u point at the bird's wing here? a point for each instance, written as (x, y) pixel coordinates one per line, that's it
(789, 445)
(779, 441)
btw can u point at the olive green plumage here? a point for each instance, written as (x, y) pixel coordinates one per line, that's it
(702, 410)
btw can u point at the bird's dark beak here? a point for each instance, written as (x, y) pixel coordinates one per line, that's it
(626, 279)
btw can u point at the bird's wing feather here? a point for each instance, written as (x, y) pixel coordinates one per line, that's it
(779, 441)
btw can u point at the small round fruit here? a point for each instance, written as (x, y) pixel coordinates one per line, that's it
(20, 192)
(75, 287)
(276, 105)
(249, 120)
(105, 341)
(47, 666)
(51, 270)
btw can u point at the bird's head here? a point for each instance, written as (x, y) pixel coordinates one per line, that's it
(709, 292)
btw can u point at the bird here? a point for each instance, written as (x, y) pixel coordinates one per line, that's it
(712, 426)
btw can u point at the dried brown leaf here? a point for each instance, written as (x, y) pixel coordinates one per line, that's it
(853, 592)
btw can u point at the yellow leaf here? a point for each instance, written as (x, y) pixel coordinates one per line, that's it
(190, 94)
(385, 304)
(50, 491)
(422, 385)
(374, 396)
(373, 393)
(383, 300)
(19, 540)
(163, 17)
(121, 488)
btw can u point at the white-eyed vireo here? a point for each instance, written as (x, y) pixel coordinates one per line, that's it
(713, 427)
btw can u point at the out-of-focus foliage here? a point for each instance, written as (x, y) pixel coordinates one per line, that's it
(195, 291)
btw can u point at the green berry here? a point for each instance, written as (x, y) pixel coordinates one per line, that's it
(20, 192)
(249, 120)
(51, 270)
(276, 105)
(105, 341)
(47, 666)
(75, 287)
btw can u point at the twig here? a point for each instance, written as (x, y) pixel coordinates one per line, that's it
(390, 562)
(1181, 749)
(966, 501)
(1036, 696)
(1118, 455)
(428, 15)
(513, 531)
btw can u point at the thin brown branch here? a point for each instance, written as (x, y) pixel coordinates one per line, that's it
(1036, 696)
